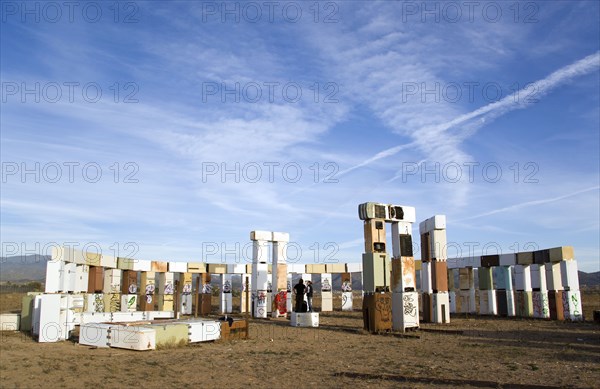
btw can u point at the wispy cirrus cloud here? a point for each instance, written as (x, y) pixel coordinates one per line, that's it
(371, 54)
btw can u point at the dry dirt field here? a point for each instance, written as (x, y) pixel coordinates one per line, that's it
(469, 352)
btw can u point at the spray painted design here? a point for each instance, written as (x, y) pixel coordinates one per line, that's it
(169, 288)
(131, 302)
(262, 298)
(541, 306)
(566, 306)
(132, 289)
(346, 286)
(281, 302)
(149, 292)
(207, 288)
(537, 303)
(384, 307)
(261, 302)
(575, 303)
(115, 302)
(347, 301)
(227, 287)
(545, 304)
(410, 308)
(187, 289)
(325, 285)
(150, 289)
(98, 303)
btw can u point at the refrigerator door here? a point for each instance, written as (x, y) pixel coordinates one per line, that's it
(128, 302)
(49, 327)
(82, 273)
(54, 276)
(347, 301)
(69, 277)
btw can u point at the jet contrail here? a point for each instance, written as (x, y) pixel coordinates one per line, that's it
(540, 87)
(495, 109)
(380, 155)
(529, 203)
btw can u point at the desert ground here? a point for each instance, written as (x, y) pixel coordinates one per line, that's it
(471, 351)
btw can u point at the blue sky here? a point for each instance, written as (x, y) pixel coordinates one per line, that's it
(506, 85)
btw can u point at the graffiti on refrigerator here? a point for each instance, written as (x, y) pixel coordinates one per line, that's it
(149, 292)
(262, 298)
(326, 285)
(346, 300)
(346, 286)
(545, 305)
(281, 302)
(384, 307)
(98, 303)
(150, 289)
(409, 305)
(132, 289)
(115, 302)
(227, 287)
(131, 302)
(575, 302)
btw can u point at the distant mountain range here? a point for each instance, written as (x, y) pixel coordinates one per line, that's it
(23, 268)
(33, 268)
(589, 279)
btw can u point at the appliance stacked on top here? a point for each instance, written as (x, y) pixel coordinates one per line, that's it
(434, 270)
(390, 296)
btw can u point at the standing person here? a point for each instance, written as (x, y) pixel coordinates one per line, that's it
(309, 294)
(299, 289)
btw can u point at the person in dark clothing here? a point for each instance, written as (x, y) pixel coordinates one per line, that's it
(309, 294)
(299, 289)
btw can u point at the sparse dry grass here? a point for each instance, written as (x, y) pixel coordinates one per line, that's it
(490, 352)
(11, 302)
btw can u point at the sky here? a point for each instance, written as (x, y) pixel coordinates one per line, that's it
(169, 131)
